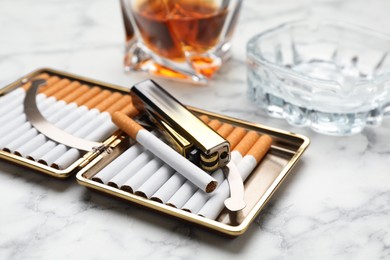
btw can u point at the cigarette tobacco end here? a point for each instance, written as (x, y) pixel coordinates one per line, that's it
(127, 188)
(141, 194)
(97, 180)
(211, 186)
(156, 199)
(43, 162)
(112, 184)
(170, 204)
(55, 166)
(5, 149)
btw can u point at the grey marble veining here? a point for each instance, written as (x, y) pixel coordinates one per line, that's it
(335, 205)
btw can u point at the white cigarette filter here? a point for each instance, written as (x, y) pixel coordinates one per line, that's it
(190, 171)
(215, 204)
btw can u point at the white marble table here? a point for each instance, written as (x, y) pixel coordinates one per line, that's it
(335, 204)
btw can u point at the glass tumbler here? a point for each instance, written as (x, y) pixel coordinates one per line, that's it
(178, 39)
(327, 75)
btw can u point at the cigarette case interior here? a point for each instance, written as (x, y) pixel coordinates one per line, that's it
(261, 184)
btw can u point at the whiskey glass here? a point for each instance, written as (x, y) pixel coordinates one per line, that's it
(179, 39)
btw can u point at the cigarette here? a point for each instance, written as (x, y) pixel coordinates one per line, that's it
(45, 76)
(56, 87)
(204, 118)
(18, 91)
(154, 183)
(199, 198)
(215, 204)
(53, 154)
(225, 130)
(31, 133)
(14, 134)
(67, 104)
(61, 149)
(16, 112)
(96, 130)
(56, 103)
(85, 101)
(40, 139)
(75, 101)
(108, 172)
(105, 116)
(65, 90)
(215, 124)
(130, 169)
(169, 188)
(31, 145)
(81, 95)
(184, 192)
(4, 119)
(175, 182)
(165, 153)
(43, 105)
(44, 149)
(14, 103)
(36, 147)
(80, 122)
(139, 178)
(81, 110)
(15, 97)
(48, 108)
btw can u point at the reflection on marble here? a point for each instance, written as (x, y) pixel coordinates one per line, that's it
(335, 205)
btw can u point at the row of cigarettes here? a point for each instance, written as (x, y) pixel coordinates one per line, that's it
(76, 108)
(139, 172)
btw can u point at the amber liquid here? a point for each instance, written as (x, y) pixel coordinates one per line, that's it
(172, 28)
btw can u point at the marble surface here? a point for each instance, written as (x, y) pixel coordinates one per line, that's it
(334, 205)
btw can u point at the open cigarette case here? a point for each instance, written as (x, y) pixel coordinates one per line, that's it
(62, 161)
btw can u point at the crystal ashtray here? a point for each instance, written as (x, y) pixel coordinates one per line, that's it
(327, 75)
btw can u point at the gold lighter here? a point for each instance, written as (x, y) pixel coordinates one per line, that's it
(185, 132)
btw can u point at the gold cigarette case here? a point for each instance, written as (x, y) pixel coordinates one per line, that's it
(186, 133)
(286, 150)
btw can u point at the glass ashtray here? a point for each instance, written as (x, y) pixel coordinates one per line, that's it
(327, 75)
